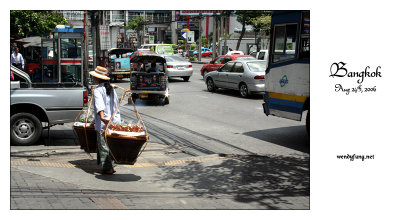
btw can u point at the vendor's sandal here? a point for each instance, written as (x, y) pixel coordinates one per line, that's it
(110, 171)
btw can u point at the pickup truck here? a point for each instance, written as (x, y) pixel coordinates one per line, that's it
(262, 55)
(33, 105)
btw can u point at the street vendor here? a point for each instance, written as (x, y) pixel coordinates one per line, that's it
(105, 103)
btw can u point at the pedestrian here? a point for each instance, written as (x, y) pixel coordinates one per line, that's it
(105, 103)
(17, 59)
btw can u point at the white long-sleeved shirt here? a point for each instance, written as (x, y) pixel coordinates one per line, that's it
(17, 58)
(103, 102)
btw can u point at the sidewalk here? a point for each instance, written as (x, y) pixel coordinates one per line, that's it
(62, 176)
(204, 60)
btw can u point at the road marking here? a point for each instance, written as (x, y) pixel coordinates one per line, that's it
(108, 203)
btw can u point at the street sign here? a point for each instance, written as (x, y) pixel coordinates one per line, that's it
(190, 36)
(184, 35)
(151, 39)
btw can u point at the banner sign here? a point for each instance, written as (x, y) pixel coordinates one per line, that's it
(192, 25)
(105, 42)
(197, 12)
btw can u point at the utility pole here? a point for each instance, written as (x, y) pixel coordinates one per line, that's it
(144, 27)
(85, 57)
(225, 50)
(200, 38)
(214, 33)
(98, 23)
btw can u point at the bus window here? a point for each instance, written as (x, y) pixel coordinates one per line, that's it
(284, 42)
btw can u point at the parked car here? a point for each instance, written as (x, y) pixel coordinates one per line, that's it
(235, 52)
(262, 55)
(33, 104)
(135, 66)
(205, 52)
(247, 76)
(177, 66)
(220, 61)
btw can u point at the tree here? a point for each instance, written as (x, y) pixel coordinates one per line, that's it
(245, 17)
(226, 14)
(261, 23)
(137, 24)
(24, 22)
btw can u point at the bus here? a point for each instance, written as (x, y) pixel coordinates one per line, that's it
(287, 77)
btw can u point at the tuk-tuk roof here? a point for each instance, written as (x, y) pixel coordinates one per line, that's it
(148, 59)
(120, 50)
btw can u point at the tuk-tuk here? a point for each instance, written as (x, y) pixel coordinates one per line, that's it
(149, 85)
(119, 62)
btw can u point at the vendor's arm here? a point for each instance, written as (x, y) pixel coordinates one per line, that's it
(101, 114)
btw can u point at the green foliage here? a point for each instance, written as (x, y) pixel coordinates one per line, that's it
(204, 42)
(193, 46)
(246, 16)
(136, 24)
(181, 44)
(26, 22)
(192, 58)
(261, 23)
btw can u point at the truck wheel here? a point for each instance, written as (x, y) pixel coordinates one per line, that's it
(25, 129)
(308, 122)
(166, 101)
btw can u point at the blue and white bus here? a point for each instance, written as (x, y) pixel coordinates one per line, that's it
(287, 77)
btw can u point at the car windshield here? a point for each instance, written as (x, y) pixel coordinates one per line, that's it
(257, 66)
(246, 58)
(175, 59)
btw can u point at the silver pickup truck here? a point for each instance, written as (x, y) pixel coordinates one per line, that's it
(35, 105)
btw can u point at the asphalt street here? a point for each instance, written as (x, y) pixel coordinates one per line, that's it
(206, 151)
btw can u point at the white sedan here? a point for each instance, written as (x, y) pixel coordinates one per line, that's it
(247, 76)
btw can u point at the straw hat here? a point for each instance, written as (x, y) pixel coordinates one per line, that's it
(100, 72)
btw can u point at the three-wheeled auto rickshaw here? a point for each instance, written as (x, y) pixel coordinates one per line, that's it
(119, 65)
(149, 81)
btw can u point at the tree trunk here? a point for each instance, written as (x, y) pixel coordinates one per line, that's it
(241, 35)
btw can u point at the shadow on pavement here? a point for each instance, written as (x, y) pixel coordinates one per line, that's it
(235, 93)
(274, 182)
(119, 177)
(91, 167)
(59, 137)
(294, 137)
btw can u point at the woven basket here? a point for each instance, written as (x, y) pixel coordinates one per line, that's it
(88, 142)
(124, 149)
